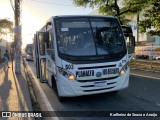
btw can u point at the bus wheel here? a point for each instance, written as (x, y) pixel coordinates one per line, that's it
(54, 86)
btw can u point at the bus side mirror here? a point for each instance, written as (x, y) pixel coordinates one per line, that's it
(130, 46)
(130, 40)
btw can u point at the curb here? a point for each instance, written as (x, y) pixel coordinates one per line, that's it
(145, 70)
(145, 61)
(35, 104)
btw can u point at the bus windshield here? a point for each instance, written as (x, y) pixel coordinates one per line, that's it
(90, 37)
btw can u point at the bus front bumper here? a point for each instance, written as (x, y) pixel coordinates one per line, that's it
(68, 88)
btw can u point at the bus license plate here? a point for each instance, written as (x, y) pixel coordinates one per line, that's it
(100, 84)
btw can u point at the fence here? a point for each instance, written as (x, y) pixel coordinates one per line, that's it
(147, 57)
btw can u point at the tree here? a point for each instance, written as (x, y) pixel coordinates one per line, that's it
(150, 9)
(111, 7)
(152, 19)
(6, 27)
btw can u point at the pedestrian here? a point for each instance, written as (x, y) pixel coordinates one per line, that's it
(6, 57)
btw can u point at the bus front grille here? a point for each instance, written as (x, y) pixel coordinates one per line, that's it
(101, 79)
(93, 67)
(87, 86)
(92, 90)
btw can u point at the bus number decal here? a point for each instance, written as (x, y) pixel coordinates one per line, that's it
(69, 66)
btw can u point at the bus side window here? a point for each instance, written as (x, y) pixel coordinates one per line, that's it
(49, 44)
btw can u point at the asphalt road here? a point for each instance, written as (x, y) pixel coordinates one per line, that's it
(141, 95)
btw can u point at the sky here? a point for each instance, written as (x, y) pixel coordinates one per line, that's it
(36, 12)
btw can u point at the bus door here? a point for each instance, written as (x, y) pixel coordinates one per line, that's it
(42, 39)
(130, 41)
(50, 61)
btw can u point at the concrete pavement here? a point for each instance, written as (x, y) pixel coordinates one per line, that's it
(14, 93)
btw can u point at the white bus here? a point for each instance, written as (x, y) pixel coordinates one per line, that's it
(29, 51)
(82, 55)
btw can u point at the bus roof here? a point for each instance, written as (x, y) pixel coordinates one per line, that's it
(71, 16)
(66, 16)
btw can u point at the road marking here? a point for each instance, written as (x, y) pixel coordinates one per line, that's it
(45, 99)
(145, 76)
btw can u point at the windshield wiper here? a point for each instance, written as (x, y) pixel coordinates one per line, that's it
(109, 49)
(102, 41)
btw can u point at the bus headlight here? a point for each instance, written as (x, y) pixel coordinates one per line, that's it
(66, 74)
(124, 69)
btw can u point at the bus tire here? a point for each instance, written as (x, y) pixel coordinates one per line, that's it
(114, 92)
(54, 85)
(61, 99)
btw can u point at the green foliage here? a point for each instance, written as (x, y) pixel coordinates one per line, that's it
(5, 28)
(149, 10)
(134, 6)
(130, 7)
(152, 19)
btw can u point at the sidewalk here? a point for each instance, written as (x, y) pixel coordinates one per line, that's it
(14, 94)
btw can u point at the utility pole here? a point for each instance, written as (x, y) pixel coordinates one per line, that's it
(138, 28)
(17, 37)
